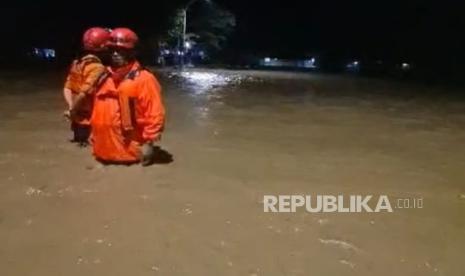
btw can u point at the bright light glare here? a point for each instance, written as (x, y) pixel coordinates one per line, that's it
(205, 81)
(353, 65)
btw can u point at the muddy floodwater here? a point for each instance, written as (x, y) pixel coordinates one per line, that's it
(236, 136)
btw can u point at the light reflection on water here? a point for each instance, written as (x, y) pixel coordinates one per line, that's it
(204, 82)
(207, 91)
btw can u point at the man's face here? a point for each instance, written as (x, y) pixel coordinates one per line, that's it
(120, 56)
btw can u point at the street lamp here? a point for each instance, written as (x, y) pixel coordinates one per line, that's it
(184, 25)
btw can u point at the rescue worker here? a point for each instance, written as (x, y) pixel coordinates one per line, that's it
(84, 76)
(128, 115)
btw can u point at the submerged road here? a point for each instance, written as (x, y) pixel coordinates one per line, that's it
(236, 136)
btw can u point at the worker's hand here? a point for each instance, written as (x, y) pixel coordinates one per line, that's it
(147, 152)
(67, 114)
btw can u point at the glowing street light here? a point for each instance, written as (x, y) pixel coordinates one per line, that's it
(184, 26)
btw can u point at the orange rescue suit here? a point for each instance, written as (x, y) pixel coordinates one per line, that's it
(84, 77)
(128, 112)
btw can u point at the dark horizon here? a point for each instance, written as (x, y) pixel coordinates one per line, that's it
(421, 32)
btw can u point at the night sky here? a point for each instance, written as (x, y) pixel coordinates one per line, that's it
(422, 31)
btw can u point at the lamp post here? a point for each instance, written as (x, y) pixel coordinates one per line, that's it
(184, 28)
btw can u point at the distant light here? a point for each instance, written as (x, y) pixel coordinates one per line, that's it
(307, 63)
(267, 59)
(166, 52)
(187, 45)
(353, 65)
(44, 53)
(49, 53)
(405, 65)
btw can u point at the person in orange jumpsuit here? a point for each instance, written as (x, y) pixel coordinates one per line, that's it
(84, 76)
(128, 115)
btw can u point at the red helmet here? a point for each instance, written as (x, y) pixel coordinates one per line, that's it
(124, 38)
(95, 39)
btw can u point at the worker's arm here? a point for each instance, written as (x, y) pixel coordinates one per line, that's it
(153, 117)
(68, 95)
(77, 103)
(153, 110)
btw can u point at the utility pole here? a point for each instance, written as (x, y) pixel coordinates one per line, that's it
(184, 29)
